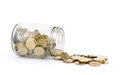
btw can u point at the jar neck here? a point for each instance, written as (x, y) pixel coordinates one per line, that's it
(57, 39)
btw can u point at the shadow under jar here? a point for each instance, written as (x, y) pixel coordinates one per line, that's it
(36, 40)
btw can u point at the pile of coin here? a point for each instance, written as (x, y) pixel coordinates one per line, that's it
(80, 59)
(32, 44)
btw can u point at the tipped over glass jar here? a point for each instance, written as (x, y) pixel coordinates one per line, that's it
(36, 40)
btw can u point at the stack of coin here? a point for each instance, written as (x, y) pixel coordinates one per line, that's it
(92, 60)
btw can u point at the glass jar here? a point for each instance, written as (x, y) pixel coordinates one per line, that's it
(36, 40)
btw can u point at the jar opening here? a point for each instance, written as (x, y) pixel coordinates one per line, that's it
(57, 39)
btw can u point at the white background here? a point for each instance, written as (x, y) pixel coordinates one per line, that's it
(91, 27)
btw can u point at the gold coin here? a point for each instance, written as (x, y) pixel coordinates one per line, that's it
(101, 60)
(39, 51)
(42, 42)
(57, 52)
(64, 56)
(31, 43)
(68, 61)
(94, 63)
(57, 58)
(91, 56)
(20, 44)
(45, 36)
(76, 57)
(22, 51)
(37, 36)
(84, 60)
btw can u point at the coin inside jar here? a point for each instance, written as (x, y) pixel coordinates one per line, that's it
(39, 51)
(31, 43)
(22, 51)
(20, 44)
(42, 42)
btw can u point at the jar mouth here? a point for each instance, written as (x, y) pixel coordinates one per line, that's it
(57, 39)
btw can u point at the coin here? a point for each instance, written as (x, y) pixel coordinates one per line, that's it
(31, 43)
(37, 36)
(91, 56)
(39, 51)
(64, 56)
(101, 60)
(68, 61)
(57, 58)
(75, 57)
(22, 51)
(42, 42)
(20, 44)
(57, 52)
(94, 63)
(84, 60)
(45, 36)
